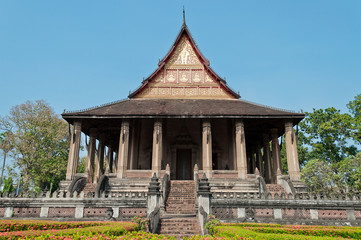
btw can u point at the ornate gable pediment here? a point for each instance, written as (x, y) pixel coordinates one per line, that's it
(184, 73)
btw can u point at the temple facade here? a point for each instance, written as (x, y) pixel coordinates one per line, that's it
(183, 119)
(181, 147)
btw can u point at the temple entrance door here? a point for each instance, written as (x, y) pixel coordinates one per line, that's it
(184, 164)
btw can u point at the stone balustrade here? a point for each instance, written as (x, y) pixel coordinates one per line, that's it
(283, 196)
(301, 208)
(63, 204)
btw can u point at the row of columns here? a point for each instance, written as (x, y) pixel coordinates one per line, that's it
(241, 152)
(95, 157)
(272, 160)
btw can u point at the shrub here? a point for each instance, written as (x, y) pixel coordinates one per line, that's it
(212, 222)
(141, 221)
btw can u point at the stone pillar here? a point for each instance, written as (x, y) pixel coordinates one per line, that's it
(74, 151)
(153, 194)
(350, 213)
(79, 212)
(44, 211)
(99, 162)
(123, 150)
(109, 160)
(267, 158)
(314, 214)
(292, 155)
(8, 212)
(277, 213)
(259, 158)
(204, 201)
(276, 154)
(89, 166)
(207, 148)
(153, 203)
(157, 148)
(241, 154)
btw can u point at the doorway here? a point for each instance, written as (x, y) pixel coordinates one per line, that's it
(184, 164)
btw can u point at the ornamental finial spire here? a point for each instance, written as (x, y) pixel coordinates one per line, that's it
(184, 16)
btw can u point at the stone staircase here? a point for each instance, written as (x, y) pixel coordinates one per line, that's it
(180, 218)
(180, 226)
(275, 188)
(181, 199)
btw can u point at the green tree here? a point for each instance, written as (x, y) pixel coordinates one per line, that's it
(326, 134)
(354, 107)
(41, 143)
(8, 185)
(319, 176)
(328, 144)
(81, 165)
(5, 147)
(349, 171)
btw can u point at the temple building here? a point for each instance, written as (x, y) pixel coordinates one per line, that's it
(183, 119)
(181, 147)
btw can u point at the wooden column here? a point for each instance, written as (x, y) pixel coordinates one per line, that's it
(99, 163)
(123, 150)
(267, 158)
(109, 160)
(207, 148)
(157, 148)
(259, 158)
(292, 155)
(253, 160)
(241, 154)
(276, 154)
(74, 151)
(89, 166)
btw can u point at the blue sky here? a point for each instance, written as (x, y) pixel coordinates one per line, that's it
(78, 54)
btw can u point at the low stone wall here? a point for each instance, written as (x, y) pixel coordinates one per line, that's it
(291, 209)
(226, 206)
(125, 205)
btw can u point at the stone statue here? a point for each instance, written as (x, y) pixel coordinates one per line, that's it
(109, 214)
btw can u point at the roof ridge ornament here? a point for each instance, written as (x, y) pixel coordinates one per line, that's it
(184, 17)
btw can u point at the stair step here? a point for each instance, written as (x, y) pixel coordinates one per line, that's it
(181, 198)
(180, 219)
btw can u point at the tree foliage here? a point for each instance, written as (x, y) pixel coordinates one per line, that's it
(329, 142)
(5, 147)
(354, 107)
(40, 143)
(321, 176)
(8, 185)
(81, 165)
(326, 133)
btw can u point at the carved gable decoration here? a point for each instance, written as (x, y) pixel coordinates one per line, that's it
(184, 54)
(184, 73)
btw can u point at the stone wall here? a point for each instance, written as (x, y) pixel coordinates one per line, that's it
(226, 206)
(291, 209)
(125, 205)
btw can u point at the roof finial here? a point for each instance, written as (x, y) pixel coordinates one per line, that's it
(184, 16)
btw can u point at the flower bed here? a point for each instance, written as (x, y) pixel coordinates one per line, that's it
(18, 229)
(276, 231)
(34, 229)
(23, 225)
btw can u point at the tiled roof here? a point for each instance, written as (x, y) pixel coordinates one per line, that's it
(182, 108)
